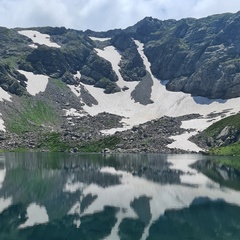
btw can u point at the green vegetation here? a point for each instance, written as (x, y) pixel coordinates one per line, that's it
(53, 142)
(233, 121)
(219, 162)
(230, 150)
(13, 61)
(59, 83)
(97, 146)
(231, 162)
(32, 116)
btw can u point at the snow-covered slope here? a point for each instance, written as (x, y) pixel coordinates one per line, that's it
(164, 103)
(36, 83)
(39, 38)
(160, 102)
(3, 96)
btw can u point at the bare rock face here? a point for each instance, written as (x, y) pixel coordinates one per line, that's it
(131, 65)
(200, 57)
(196, 56)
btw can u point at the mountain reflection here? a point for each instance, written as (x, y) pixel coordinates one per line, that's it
(64, 196)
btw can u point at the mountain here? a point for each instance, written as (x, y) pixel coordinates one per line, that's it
(146, 88)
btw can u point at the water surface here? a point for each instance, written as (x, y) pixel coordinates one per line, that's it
(91, 196)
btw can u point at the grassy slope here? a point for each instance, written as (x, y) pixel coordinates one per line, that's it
(215, 129)
(230, 150)
(31, 116)
(233, 121)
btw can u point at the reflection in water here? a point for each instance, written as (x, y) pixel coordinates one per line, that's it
(35, 215)
(63, 196)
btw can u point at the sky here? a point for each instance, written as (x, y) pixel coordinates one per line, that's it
(101, 15)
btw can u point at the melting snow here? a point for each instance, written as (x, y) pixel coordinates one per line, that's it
(75, 89)
(36, 83)
(37, 37)
(99, 39)
(77, 75)
(167, 103)
(182, 142)
(2, 126)
(4, 95)
(72, 112)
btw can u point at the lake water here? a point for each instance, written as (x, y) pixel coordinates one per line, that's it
(57, 196)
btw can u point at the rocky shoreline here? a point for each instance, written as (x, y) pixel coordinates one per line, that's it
(75, 132)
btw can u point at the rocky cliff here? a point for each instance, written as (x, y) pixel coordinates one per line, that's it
(125, 75)
(196, 56)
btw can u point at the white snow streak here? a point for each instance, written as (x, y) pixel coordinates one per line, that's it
(99, 39)
(39, 38)
(4, 95)
(72, 112)
(166, 103)
(36, 83)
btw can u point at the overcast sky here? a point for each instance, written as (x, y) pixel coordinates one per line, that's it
(104, 14)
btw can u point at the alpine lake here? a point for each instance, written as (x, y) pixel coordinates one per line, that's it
(61, 196)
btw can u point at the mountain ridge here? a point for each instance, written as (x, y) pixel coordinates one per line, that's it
(135, 75)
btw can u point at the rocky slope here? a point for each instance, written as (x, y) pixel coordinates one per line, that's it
(64, 90)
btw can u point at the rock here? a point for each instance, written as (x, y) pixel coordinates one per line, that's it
(224, 133)
(106, 150)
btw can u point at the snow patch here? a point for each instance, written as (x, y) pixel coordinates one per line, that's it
(99, 39)
(36, 83)
(182, 141)
(74, 113)
(4, 95)
(39, 38)
(33, 46)
(77, 75)
(75, 89)
(113, 56)
(166, 103)
(2, 126)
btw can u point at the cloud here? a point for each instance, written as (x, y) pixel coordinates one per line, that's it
(104, 14)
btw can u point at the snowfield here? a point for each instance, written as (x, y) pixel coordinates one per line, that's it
(3, 96)
(39, 38)
(36, 82)
(72, 112)
(99, 39)
(166, 103)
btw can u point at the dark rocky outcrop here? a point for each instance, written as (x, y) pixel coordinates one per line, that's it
(196, 56)
(131, 65)
(220, 134)
(142, 92)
